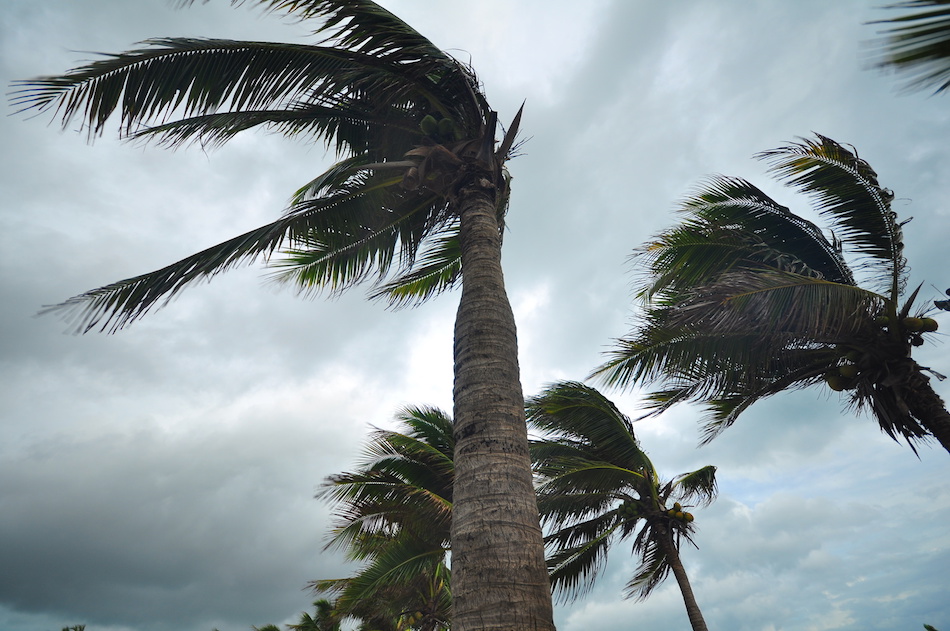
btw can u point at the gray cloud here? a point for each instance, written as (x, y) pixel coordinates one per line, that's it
(162, 478)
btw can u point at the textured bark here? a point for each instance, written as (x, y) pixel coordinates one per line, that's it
(499, 576)
(927, 406)
(696, 620)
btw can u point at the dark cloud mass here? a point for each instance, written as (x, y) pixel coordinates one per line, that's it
(163, 478)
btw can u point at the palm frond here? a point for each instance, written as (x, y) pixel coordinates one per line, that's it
(576, 411)
(845, 189)
(699, 485)
(731, 221)
(652, 569)
(576, 563)
(438, 269)
(346, 217)
(918, 43)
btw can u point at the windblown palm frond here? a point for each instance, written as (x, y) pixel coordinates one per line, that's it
(385, 213)
(744, 299)
(918, 43)
(597, 486)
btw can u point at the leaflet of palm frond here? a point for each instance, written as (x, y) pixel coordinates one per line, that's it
(771, 302)
(557, 505)
(578, 559)
(392, 129)
(845, 189)
(917, 44)
(701, 353)
(583, 475)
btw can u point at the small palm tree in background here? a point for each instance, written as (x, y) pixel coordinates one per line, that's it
(744, 299)
(917, 43)
(324, 618)
(417, 197)
(394, 514)
(597, 486)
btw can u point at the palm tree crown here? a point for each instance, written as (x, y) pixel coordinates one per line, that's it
(745, 299)
(419, 193)
(385, 211)
(597, 485)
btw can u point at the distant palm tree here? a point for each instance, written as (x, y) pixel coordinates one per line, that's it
(394, 514)
(918, 43)
(745, 299)
(418, 197)
(324, 618)
(597, 486)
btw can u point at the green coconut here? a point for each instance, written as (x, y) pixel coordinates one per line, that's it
(428, 125)
(913, 324)
(930, 325)
(849, 371)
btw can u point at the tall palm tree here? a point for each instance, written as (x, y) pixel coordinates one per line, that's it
(917, 43)
(745, 299)
(419, 195)
(394, 514)
(598, 486)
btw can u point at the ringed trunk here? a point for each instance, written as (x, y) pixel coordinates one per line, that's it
(499, 576)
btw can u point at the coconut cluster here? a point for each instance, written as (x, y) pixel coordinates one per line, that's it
(679, 514)
(854, 361)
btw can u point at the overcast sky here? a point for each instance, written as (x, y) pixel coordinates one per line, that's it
(162, 478)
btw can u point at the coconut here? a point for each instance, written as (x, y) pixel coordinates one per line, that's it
(836, 382)
(428, 125)
(930, 325)
(849, 371)
(913, 324)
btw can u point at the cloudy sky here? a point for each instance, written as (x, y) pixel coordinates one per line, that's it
(162, 479)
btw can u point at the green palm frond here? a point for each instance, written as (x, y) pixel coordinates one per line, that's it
(918, 43)
(845, 189)
(576, 411)
(699, 485)
(730, 221)
(438, 268)
(575, 566)
(652, 569)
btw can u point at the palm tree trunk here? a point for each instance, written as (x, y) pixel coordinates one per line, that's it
(927, 406)
(692, 607)
(499, 576)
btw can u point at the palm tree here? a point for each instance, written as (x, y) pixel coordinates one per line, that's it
(918, 43)
(324, 619)
(745, 299)
(598, 486)
(394, 513)
(419, 194)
